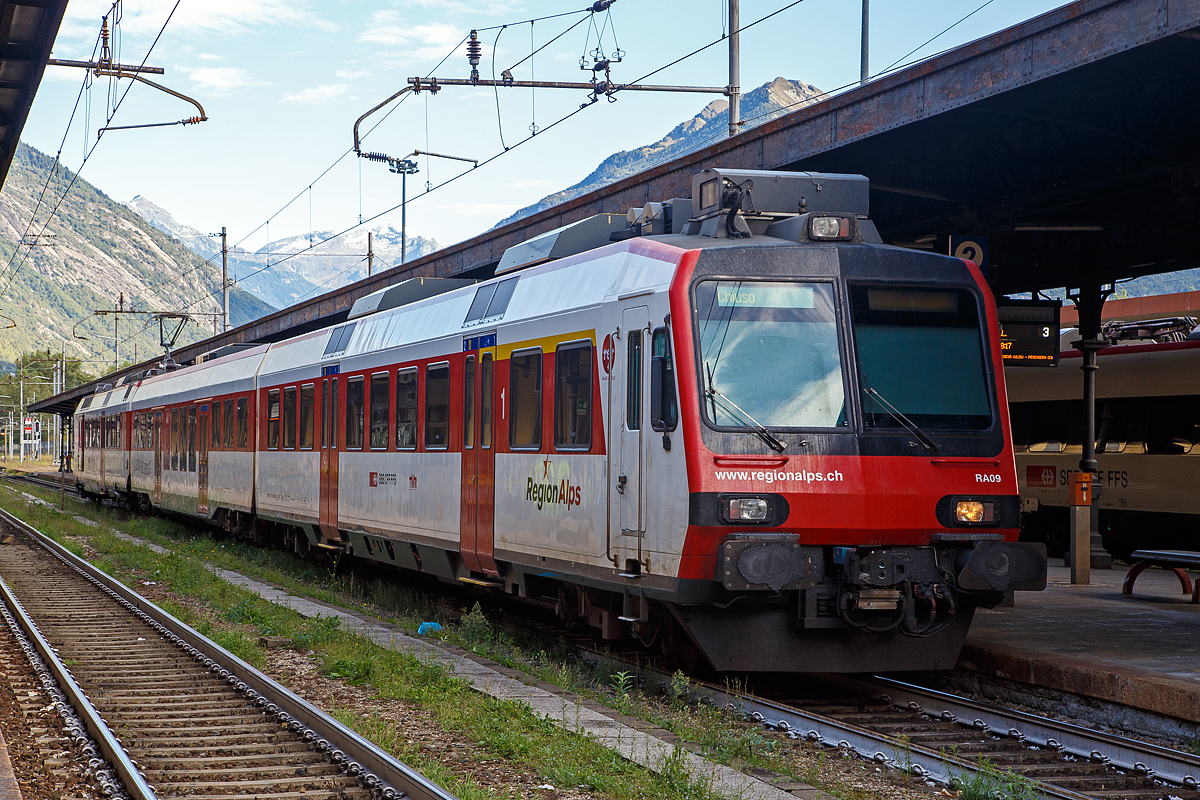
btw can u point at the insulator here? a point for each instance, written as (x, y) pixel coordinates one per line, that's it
(601, 5)
(474, 50)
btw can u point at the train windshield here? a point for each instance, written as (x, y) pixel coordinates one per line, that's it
(921, 352)
(769, 354)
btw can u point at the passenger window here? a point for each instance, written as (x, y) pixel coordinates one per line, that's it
(307, 417)
(437, 407)
(175, 438)
(191, 439)
(485, 401)
(633, 383)
(380, 398)
(289, 418)
(406, 409)
(333, 417)
(573, 397)
(664, 409)
(243, 423)
(354, 413)
(214, 421)
(469, 403)
(525, 386)
(273, 419)
(229, 425)
(325, 413)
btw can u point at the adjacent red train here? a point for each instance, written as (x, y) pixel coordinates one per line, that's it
(734, 426)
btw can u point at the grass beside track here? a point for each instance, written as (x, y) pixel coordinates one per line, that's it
(236, 618)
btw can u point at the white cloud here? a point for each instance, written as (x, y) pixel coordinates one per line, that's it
(349, 75)
(211, 57)
(221, 80)
(421, 42)
(326, 93)
(224, 17)
(457, 7)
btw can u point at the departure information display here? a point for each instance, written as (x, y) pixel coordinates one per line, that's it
(1029, 332)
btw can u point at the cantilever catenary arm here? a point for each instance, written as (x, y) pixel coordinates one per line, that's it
(357, 122)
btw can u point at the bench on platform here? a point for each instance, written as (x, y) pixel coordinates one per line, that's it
(1178, 561)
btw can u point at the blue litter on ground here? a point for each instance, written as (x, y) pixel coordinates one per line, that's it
(428, 628)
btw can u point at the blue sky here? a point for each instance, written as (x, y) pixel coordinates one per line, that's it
(282, 82)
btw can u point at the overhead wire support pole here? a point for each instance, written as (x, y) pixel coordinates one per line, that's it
(734, 90)
(864, 69)
(225, 276)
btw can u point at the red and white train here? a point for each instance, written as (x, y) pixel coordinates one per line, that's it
(736, 426)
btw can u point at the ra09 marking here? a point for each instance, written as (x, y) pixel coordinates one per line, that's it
(986, 477)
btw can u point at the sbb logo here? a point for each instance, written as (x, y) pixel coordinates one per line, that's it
(1040, 476)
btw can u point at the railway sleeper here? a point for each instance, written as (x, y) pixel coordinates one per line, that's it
(172, 739)
(292, 746)
(348, 793)
(249, 761)
(259, 772)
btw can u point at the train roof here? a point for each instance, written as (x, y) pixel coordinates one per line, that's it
(568, 284)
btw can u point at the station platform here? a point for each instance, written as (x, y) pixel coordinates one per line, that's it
(1140, 650)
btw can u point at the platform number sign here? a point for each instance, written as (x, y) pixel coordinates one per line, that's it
(972, 248)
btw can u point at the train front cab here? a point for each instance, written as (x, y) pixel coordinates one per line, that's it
(853, 494)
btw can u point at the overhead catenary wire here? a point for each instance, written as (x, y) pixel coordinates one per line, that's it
(364, 221)
(429, 189)
(96, 144)
(938, 36)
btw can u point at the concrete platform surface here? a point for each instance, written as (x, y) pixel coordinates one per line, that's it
(1141, 650)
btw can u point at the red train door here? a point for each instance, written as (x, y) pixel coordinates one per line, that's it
(477, 525)
(329, 457)
(202, 460)
(158, 457)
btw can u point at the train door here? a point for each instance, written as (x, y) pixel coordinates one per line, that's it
(103, 444)
(329, 457)
(628, 414)
(202, 460)
(158, 456)
(477, 517)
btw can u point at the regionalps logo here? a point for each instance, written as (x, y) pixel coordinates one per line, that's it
(546, 492)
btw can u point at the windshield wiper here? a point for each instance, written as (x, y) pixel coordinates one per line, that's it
(734, 410)
(896, 414)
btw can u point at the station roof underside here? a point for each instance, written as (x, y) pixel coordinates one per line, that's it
(27, 33)
(1068, 140)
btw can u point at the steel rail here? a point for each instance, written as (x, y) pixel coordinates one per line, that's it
(396, 779)
(130, 777)
(940, 767)
(1169, 765)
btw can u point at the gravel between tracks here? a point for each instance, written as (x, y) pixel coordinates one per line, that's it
(44, 762)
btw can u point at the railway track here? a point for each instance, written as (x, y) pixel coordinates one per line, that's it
(173, 713)
(938, 735)
(42, 483)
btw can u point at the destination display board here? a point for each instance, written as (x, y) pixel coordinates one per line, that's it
(1029, 332)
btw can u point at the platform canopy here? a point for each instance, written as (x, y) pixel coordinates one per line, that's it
(27, 33)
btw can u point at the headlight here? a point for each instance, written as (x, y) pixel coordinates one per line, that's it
(830, 228)
(747, 509)
(974, 512)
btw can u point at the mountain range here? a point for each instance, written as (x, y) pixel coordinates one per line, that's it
(771, 100)
(94, 251)
(286, 271)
